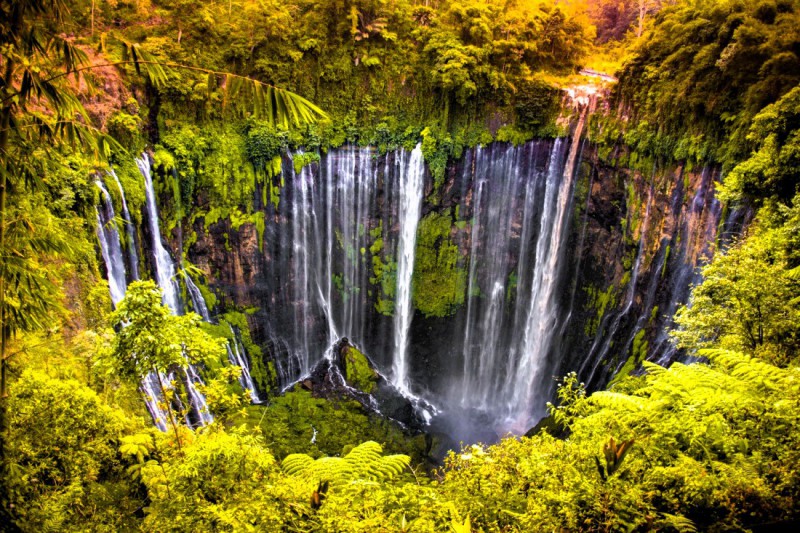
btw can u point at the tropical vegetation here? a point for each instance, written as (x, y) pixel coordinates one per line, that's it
(217, 91)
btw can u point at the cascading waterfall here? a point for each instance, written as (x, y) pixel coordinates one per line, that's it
(111, 249)
(198, 302)
(543, 312)
(165, 273)
(520, 219)
(129, 228)
(110, 246)
(411, 192)
(329, 232)
(334, 213)
(238, 357)
(504, 185)
(338, 217)
(165, 268)
(341, 254)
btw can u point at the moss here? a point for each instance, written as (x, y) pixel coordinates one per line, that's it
(624, 372)
(296, 422)
(666, 259)
(301, 160)
(436, 153)
(384, 273)
(439, 283)
(358, 372)
(208, 295)
(638, 354)
(511, 286)
(639, 348)
(600, 301)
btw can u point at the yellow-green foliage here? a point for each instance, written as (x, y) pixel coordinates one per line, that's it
(748, 300)
(185, 491)
(385, 273)
(714, 447)
(439, 282)
(358, 372)
(600, 301)
(62, 470)
(365, 462)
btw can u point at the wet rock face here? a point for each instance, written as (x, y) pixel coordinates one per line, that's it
(633, 244)
(638, 249)
(351, 375)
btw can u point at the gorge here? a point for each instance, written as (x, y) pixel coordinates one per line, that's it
(402, 266)
(526, 263)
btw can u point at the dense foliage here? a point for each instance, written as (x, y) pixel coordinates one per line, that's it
(712, 445)
(696, 83)
(377, 67)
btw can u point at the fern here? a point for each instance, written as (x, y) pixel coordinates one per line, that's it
(653, 369)
(616, 400)
(677, 522)
(296, 463)
(365, 462)
(745, 367)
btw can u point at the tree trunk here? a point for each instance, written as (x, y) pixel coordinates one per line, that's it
(172, 420)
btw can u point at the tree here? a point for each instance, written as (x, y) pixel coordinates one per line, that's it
(64, 470)
(41, 118)
(748, 299)
(150, 339)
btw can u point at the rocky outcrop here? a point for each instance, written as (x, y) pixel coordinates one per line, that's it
(350, 375)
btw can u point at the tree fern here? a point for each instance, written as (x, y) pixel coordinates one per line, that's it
(365, 462)
(617, 401)
(745, 367)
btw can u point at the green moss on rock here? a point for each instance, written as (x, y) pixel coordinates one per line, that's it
(384, 271)
(358, 372)
(439, 282)
(297, 422)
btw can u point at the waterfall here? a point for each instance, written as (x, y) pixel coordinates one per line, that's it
(238, 357)
(111, 249)
(110, 246)
(165, 268)
(520, 210)
(505, 185)
(130, 229)
(165, 273)
(340, 253)
(196, 399)
(411, 192)
(152, 395)
(198, 302)
(543, 313)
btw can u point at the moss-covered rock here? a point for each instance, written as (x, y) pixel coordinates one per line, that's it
(358, 372)
(439, 282)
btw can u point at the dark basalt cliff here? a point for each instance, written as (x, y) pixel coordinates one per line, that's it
(631, 248)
